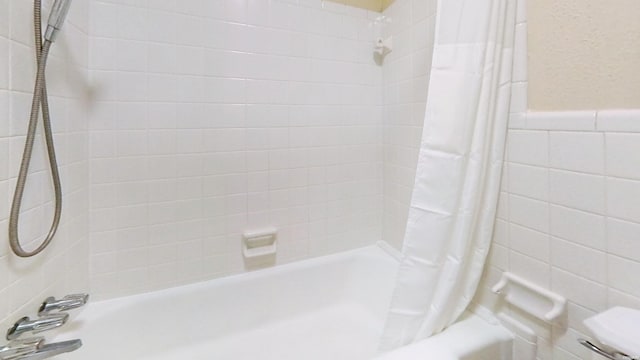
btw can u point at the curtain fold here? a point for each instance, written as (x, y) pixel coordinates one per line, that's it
(458, 175)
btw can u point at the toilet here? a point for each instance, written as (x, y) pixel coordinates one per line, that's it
(615, 332)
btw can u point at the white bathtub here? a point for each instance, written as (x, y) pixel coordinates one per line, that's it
(326, 308)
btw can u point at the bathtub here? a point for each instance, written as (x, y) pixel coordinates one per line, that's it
(326, 308)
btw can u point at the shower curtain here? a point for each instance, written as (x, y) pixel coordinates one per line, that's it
(457, 182)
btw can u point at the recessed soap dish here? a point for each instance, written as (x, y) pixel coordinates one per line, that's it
(260, 243)
(531, 298)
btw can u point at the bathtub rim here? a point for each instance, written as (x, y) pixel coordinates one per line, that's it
(386, 249)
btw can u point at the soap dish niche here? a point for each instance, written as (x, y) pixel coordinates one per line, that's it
(259, 247)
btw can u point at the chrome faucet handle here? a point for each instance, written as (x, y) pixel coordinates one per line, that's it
(68, 302)
(36, 349)
(44, 323)
(17, 349)
(50, 350)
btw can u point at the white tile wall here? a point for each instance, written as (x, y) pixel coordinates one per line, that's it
(62, 268)
(212, 118)
(411, 23)
(572, 220)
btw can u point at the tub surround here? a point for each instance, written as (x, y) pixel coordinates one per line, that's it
(271, 121)
(62, 268)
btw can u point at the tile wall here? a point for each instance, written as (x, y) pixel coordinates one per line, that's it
(568, 217)
(213, 118)
(411, 23)
(63, 267)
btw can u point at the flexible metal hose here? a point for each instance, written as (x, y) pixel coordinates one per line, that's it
(40, 100)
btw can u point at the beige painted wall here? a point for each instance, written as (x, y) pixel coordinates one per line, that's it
(375, 5)
(387, 3)
(584, 54)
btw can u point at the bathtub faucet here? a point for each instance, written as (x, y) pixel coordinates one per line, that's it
(36, 349)
(68, 302)
(41, 324)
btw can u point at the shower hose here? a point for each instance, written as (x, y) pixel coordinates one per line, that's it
(40, 100)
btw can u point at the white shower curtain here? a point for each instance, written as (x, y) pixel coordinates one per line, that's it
(459, 168)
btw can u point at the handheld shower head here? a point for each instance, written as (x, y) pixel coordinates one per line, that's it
(59, 12)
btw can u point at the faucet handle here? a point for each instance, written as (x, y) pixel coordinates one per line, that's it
(36, 349)
(16, 349)
(51, 350)
(41, 324)
(68, 302)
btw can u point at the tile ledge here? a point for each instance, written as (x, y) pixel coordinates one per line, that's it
(562, 120)
(608, 120)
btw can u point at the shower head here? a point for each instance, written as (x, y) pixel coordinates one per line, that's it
(59, 12)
